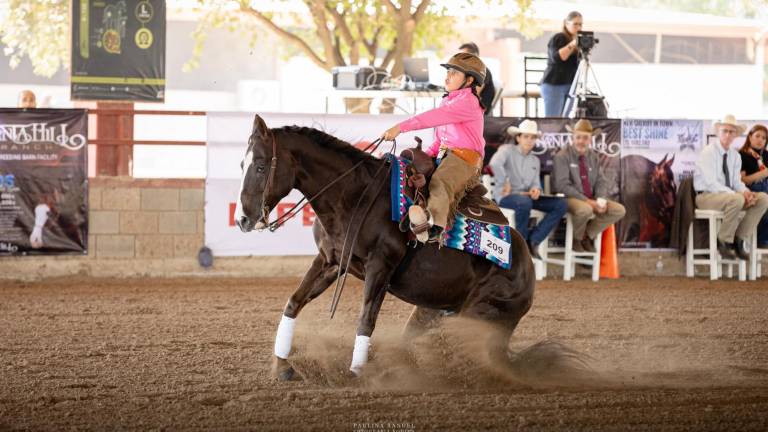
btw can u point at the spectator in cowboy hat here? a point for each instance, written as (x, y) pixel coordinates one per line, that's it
(718, 185)
(27, 99)
(578, 176)
(517, 174)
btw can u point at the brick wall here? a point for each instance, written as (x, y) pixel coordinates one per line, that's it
(145, 218)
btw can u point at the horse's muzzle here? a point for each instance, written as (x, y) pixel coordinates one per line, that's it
(245, 224)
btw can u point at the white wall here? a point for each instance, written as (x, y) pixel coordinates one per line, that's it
(681, 91)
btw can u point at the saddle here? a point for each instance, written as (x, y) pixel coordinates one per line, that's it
(473, 206)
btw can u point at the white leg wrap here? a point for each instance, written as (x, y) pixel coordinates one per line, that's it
(284, 337)
(360, 354)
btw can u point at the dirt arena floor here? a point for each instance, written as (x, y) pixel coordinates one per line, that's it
(194, 354)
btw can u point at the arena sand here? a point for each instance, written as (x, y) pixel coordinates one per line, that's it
(194, 354)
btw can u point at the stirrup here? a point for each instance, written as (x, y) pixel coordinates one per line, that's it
(420, 222)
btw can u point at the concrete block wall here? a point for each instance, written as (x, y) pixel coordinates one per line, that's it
(154, 219)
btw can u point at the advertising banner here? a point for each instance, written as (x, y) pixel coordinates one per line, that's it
(228, 135)
(656, 156)
(43, 181)
(118, 50)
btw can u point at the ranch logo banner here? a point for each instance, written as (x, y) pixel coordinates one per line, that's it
(118, 50)
(656, 156)
(43, 181)
(227, 141)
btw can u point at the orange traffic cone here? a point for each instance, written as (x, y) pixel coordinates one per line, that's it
(609, 257)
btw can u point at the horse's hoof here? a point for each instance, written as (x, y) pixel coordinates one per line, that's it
(282, 370)
(286, 375)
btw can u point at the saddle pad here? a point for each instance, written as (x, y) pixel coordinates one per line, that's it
(467, 234)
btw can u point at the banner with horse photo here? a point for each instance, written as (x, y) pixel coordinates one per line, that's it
(43, 181)
(656, 156)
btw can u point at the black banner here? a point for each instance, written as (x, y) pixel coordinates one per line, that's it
(43, 181)
(118, 50)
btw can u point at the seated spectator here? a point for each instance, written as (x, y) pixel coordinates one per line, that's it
(488, 90)
(518, 186)
(717, 181)
(27, 99)
(754, 172)
(578, 176)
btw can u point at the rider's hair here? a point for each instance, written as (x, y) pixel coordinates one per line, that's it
(475, 91)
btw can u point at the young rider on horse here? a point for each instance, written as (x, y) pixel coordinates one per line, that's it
(459, 145)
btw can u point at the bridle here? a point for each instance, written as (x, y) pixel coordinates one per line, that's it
(293, 211)
(341, 276)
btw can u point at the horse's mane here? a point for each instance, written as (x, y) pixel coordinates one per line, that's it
(325, 140)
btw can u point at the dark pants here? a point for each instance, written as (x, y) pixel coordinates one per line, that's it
(555, 209)
(762, 226)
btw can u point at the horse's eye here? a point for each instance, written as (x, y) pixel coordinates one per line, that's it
(260, 169)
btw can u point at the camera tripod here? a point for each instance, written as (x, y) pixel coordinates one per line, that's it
(583, 102)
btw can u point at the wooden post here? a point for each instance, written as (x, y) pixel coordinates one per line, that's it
(115, 160)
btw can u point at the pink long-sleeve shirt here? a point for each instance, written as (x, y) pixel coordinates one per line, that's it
(458, 122)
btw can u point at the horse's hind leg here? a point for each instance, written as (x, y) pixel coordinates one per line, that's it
(421, 320)
(317, 279)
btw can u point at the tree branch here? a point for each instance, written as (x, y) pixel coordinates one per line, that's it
(298, 41)
(341, 25)
(421, 9)
(317, 9)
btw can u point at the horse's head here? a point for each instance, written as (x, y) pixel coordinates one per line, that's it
(268, 175)
(663, 187)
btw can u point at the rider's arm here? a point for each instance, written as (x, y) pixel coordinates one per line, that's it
(463, 108)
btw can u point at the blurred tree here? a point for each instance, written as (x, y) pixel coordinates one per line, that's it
(344, 32)
(38, 29)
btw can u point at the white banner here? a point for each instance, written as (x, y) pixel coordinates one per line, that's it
(227, 141)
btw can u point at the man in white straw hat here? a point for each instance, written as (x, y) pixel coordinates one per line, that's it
(718, 185)
(517, 173)
(578, 176)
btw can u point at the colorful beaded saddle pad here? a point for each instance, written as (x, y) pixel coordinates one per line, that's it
(478, 227)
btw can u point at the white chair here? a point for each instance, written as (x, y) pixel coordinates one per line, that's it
(755, 258)
(570, 257)
(712, 258)
(539, 266)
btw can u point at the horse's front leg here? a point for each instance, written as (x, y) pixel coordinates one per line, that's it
(317, 279)
(378, 271)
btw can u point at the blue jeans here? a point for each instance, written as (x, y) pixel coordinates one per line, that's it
(555, 209)
(554, 98)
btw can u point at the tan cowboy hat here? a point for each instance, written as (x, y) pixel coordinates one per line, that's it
(525, 127)
(583, 126)
(469, 64)
(730, 120)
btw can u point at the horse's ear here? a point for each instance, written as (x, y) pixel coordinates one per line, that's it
(672, 159)
(260, 127)
(663, 161)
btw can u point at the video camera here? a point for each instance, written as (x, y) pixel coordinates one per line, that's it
(586, 41)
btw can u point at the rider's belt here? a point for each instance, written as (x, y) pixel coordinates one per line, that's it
(471, 157)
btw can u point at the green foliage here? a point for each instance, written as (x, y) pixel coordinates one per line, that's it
(38, 29)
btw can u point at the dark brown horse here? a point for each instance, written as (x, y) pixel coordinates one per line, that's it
(434, 279)
(649, 191)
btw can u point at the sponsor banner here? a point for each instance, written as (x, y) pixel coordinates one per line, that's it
(43, 181)
(656, 156)
(227, 142)
(118, 50)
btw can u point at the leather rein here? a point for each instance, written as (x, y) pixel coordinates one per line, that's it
(293, 211)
